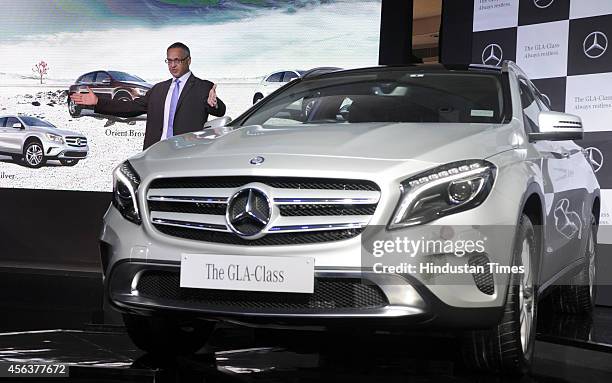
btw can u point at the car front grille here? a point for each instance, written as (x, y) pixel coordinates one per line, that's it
(73, 154)
(329, 293)
(77, 142)
(300, 211)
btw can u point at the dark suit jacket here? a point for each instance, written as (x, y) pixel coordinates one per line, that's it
(191, 113)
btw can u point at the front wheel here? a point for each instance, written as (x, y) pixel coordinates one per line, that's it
(73, 108)
(163, 336)
(67, 162)
(509, 346)
(33, 154)
(578, 297)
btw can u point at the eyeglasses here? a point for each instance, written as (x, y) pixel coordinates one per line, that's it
(176, 61)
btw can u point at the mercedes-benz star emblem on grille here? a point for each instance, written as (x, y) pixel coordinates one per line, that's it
(492, 55)
(257, 160)
(543, 3)
(595, 45)
(78, 141)
(248, 213)
(595, 157)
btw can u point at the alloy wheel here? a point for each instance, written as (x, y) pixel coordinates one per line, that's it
(592, 270)
(526, 297)
(34, 154)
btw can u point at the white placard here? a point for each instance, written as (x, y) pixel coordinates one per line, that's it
(590, 97)
(588, 8)
(495, 14)
(541, 49)
(604, 233)
(248, 273)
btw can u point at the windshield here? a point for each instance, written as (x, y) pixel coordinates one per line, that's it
(122, 76)
(387, 96)
(33, 121)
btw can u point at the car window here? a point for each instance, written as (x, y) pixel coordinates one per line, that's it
(531, 109)
(289, 76)
(33, 121)
(276, 77)
(389, 96)
(88, 78)
(101, 76)
(2, 122)
(122, 76)
(10, 121)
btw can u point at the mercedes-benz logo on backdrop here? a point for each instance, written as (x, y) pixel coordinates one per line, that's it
(492, 55)
(595, 44)
(595, 157)
(543, 3)
(248, 213)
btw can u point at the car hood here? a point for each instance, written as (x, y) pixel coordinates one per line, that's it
(59, 132)
(430, 142)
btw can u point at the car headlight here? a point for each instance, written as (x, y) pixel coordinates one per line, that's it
(55, 138)
(141, 91)
(445, 190)
(125, 190)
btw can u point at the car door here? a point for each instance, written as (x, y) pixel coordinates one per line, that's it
(562, 226)
(102, 85)
(3, 145)
(87, 81)
(272, 83)
(12, 137)
(575, 214)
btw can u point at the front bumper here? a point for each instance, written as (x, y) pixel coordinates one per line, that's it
(54, 151)
(383, 300)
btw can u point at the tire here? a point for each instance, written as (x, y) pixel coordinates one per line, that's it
(73, 108)
(122, 96)
(509, 347)
(67, 162)
(258, 97)
(162, 336)
(34, 154)
(579, 296)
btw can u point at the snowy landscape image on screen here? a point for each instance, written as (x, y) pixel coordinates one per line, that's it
(233, 43)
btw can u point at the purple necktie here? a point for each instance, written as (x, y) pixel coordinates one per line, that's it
(173, 102)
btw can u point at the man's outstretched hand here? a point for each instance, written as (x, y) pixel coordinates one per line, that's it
(212, 96)
(88, 98)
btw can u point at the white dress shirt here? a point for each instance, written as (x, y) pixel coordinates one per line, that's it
(183, 79)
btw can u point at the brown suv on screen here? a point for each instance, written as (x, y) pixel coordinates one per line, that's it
(107, 84)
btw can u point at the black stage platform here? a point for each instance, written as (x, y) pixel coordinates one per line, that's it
(56, 322)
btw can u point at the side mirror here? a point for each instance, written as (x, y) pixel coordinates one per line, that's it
(218, 122)
(555, 126)
(17, 125)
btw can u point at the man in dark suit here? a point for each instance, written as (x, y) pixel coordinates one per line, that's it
(176, 106)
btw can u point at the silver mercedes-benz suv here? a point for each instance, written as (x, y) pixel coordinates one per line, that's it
(411, 197)
(35, 141)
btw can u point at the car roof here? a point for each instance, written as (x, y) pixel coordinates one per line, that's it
(414, 68)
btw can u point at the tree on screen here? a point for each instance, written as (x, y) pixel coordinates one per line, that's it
(40, 70)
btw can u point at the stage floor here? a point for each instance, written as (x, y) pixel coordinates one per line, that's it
(46, 328)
